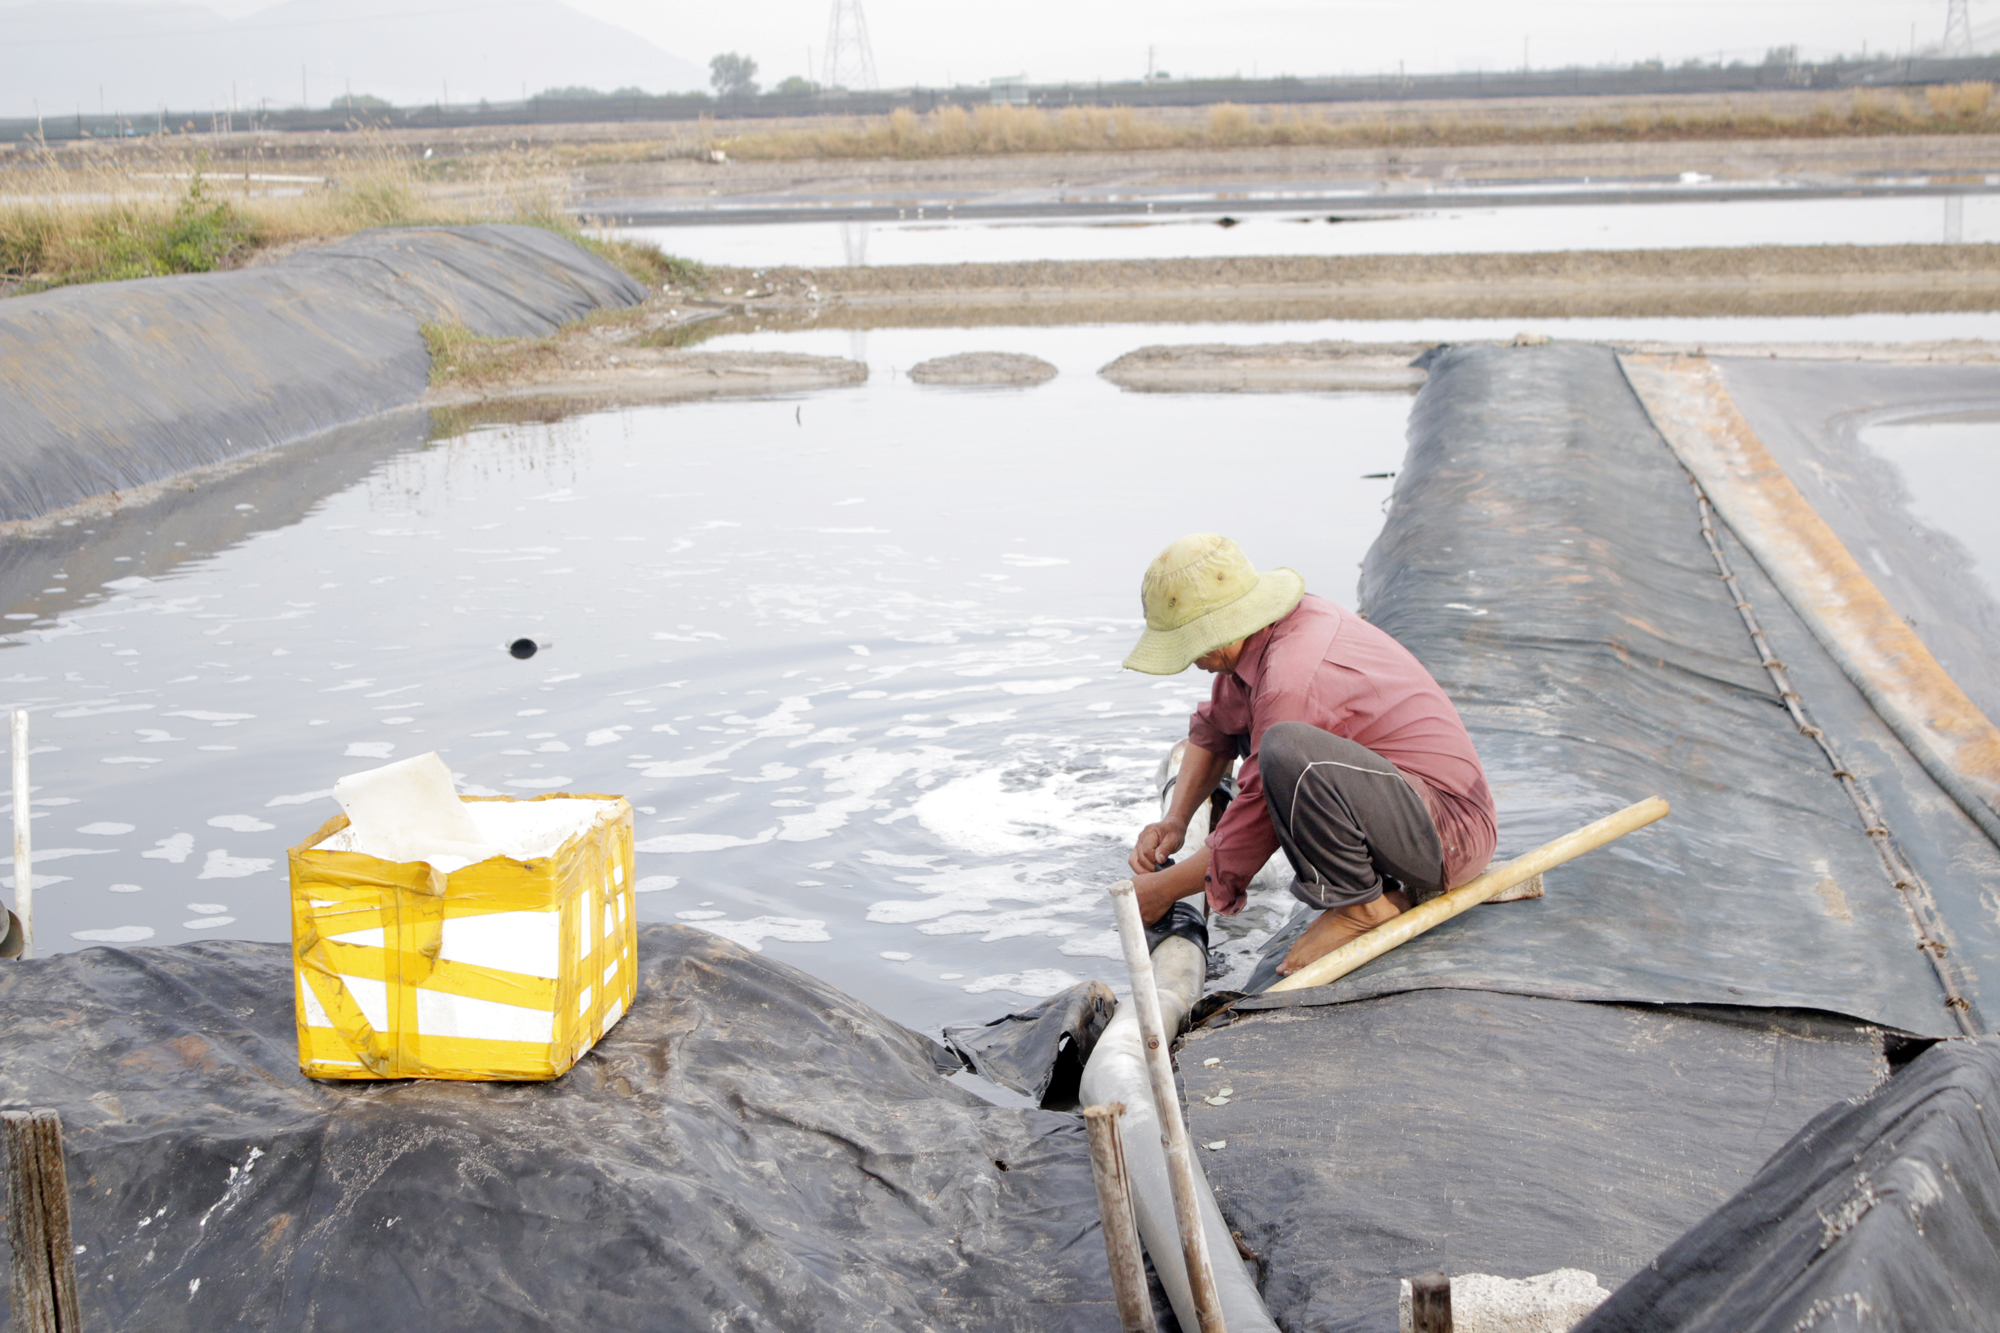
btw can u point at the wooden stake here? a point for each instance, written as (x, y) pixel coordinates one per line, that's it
(24, 873)
(1430, 1304)
(44, 1279)
(1402, 929)
(1166, 1103)
(1121, 1228)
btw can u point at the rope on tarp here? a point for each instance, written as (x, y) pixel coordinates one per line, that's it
(1903, 877)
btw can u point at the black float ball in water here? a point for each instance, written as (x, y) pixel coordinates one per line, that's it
(522, 648)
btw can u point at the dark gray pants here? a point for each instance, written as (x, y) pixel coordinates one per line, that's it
(1350, 823)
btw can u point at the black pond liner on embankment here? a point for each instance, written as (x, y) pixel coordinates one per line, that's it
(116, 385)
(748, 1148)
(1452, 1106)
(1574, 1081)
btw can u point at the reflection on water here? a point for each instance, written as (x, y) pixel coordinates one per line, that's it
(1951, 470)
(1432, 229)
(853, 656)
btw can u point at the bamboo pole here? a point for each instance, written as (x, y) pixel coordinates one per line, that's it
(1166, 1101)
(24, 876)
(1402, 929)
(1121, 1229)
(43, 1291)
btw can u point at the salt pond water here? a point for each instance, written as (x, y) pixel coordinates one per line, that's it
(854, 657)
(1427, 226)
(1950, 469)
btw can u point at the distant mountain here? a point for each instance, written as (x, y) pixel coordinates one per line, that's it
(64, 55)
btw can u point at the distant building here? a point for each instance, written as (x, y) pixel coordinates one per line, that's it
(1009, 91)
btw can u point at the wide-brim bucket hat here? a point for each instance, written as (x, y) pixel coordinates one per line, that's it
(1201, 593)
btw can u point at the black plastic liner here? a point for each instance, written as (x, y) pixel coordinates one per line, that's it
(1882, 1215)
(116, 385)
(747, 1149)
(190, 522)
(1543, 558)
(1039, 1052)
(1485, 1133)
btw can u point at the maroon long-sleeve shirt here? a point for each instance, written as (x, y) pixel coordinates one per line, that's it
(1328, 667)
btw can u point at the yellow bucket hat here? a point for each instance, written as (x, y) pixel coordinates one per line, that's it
(1201, 593)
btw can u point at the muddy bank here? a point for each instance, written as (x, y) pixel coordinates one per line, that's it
(609, 371)
(1269, 368)
(971, 369)
(660, 173)
(1756, 280)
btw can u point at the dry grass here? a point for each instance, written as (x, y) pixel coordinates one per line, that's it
(157, 206)
(459, 356)
(956, 131)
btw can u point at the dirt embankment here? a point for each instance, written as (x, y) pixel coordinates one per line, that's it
(1759, 280)
(647, 354)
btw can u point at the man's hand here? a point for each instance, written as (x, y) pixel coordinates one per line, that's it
(1163, 888)
(1156, 843)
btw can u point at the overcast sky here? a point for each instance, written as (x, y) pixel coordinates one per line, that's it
(929, 43)
(925, 42)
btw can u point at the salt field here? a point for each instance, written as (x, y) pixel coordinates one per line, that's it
(1424, 226)
(853, 657)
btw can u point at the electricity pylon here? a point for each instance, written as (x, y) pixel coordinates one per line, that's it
(850, 62)
(1957, 29)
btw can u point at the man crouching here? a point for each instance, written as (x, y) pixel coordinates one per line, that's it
(1354, 761)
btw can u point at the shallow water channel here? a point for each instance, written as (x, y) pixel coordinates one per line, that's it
(852, 655)
(1425, 226)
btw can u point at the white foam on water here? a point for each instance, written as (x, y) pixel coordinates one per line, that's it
(982, 813)
(1044, 686)
(1036, 983)
(958, 894)
(221, 865)
(1096, 944)
(859, 776)
(703, 766)
(701, 842)
(240, 823)
(114, 935)
(175, 849)
(751, 934)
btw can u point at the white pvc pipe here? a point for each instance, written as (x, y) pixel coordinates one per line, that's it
(24, 877)
(1117, 1072)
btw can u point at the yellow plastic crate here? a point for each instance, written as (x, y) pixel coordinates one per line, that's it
(502, 970)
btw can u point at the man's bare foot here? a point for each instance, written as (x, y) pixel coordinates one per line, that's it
(1335, 927)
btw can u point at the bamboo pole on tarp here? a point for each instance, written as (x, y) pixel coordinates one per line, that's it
(1121, 1228)
(24, 876)
(1406, 927)
(1167, 1104)
(43, 1288)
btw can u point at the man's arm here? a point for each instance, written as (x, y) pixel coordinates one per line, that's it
(1162, 889)
(1201, 773)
